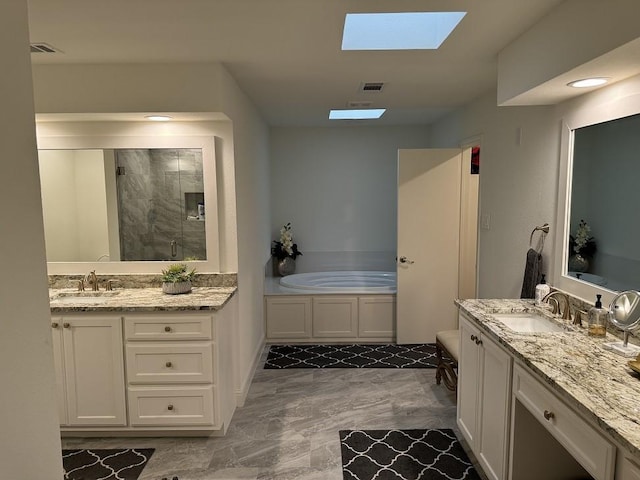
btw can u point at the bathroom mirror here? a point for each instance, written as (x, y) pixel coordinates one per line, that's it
(104, 246)
(603, 204)
(123, 204)
(625, 310)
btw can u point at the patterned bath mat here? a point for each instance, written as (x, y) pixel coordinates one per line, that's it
(352, 356)
(105, 464)
(404, 455)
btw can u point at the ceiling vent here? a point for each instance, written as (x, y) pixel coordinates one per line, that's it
(359, 104)
(43, 48)
(371, 87)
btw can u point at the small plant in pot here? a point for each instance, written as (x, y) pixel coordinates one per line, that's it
(177, 279)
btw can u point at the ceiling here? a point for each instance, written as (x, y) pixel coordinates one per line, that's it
(285, 54)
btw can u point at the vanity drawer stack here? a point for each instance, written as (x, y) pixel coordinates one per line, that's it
(171, 370)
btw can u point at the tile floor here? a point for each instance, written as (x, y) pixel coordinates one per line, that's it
(288, 427)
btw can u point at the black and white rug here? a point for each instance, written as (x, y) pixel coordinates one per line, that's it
(105, 464)
(352, 356)
(404, 455)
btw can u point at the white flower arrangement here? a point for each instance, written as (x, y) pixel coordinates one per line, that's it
(285, 246)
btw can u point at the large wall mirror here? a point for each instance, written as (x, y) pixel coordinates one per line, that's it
(604, 243)
(127, 203)
(142, 204)
(597, 229)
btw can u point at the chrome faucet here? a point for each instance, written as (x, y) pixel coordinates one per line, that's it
(552, 299)
(92, 280)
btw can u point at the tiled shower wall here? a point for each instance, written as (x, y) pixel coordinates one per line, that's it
(152, 205)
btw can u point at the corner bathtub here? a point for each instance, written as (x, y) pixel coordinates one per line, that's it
(342, 282)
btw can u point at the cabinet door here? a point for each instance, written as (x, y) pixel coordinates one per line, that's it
(626, 470)
(288, 317)
(94, 370)
(58, 365)
(468, 381)
(335, 316)
(495, 400)
(377, 316)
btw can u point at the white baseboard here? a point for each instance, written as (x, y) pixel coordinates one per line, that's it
(243, 391)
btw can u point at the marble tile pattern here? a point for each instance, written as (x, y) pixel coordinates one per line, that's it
(141, 300)
(152, 206)
(289, 425)
(596, 382)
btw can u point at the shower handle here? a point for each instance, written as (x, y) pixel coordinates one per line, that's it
(406, 260)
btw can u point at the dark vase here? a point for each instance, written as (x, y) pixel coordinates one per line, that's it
(286, 266)
(578, 263)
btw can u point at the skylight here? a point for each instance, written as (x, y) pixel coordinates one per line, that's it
(398, 31)
(355, 114)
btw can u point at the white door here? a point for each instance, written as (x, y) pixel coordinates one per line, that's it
(94, 370)
(428, 242)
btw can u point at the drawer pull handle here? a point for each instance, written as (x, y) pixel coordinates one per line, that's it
(167, 328)
(66, 325)
(478, 341)
(548, 415)
(169, 364)
(169, 407)
(54, 325)
(474, 338)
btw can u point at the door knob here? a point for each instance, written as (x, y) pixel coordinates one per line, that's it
(406, 260)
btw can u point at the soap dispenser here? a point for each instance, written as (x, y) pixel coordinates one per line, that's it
(598, 318)
(542, 290)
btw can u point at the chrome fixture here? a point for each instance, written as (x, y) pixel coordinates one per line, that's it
(406, 260)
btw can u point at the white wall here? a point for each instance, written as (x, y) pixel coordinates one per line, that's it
(338, 186)
(30, 442)
(251, 175)
(74, 204)
(518, 184)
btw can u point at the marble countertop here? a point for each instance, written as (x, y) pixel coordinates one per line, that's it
(65, 300)
(596, 382)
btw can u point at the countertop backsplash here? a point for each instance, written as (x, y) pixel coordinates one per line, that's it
(145, 281)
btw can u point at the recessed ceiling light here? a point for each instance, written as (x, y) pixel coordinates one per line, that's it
(356, 114)
(158, 118)
(398, 31)
(588, 82)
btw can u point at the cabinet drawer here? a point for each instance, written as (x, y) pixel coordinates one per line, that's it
(169, 363)
(170, 406)
(168, 327)
(581, 440)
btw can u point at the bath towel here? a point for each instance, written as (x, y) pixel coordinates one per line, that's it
(532, 274)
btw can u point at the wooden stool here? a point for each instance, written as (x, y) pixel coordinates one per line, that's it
(448, 343)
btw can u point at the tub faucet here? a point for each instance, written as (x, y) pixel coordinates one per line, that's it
(93, 280)
(552, 299)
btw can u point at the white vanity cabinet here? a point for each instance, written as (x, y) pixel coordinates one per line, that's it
(179, 373)
(89, 370)
(484, 398)
(156, 372)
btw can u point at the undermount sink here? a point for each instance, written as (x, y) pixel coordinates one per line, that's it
(80, 300)
(82, 297)
(86, 294)
(527, 322)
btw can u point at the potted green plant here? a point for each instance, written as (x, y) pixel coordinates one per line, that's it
(177, 279)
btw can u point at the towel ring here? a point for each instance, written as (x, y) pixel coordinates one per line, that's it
(544, 230)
